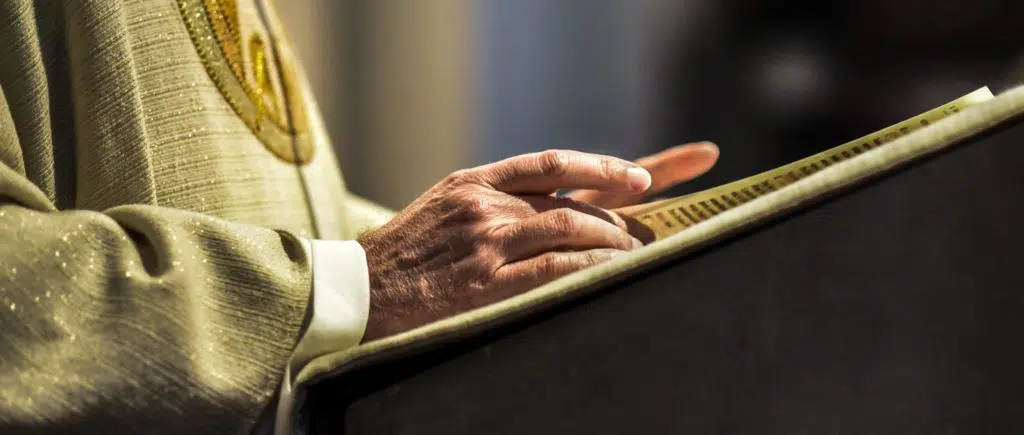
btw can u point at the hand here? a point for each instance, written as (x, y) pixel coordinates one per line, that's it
(484, 234)
(668, 168)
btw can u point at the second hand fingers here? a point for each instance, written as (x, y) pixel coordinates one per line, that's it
(679, 164)
(667, 168)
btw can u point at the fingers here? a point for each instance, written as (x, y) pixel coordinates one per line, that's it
(548, 171)
(562, 229)
(632, 226)
(543, 203)
(667, 168)
(527, 274)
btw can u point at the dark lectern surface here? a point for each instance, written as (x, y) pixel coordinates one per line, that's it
(896, 308)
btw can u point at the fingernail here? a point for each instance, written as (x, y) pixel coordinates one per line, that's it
(639, 179)
(709, 148)
(637, 244)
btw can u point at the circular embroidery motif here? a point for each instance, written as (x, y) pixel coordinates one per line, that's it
(251, 74)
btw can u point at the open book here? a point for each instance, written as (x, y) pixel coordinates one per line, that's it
(670, 216)
(873, 283)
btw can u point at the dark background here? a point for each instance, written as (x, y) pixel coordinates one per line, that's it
(412, 91)
(775, 80)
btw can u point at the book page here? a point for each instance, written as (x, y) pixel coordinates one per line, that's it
(671, 216)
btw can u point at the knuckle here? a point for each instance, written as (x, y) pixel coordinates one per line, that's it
(553, 162)
(506, 235)
(607, 168)
(474, 205)
(490, 239)
(486, 259)
(462, 176)
(495, 260)
(553, 265)
(564, 221)
(597, 256)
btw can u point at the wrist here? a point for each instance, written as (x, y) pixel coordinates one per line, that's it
(376, 318)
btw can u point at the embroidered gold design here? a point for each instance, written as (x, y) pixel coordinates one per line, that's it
(264, 90)
(216, 31)
(224, 18)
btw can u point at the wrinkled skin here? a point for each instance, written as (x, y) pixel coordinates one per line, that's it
(487, 233)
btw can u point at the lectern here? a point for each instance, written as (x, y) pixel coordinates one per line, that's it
(881, 299)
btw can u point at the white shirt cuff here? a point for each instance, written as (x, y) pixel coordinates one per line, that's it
(341, 307)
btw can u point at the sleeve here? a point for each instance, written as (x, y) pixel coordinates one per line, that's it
(340, 309)
(153, 320)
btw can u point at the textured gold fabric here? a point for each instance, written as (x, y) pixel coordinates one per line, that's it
(150, 276)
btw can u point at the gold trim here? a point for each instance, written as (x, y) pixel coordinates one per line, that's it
(223, 16)
(286, 143)
(671, 216)
(264, 90)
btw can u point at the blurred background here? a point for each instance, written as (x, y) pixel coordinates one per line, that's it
(412, 90)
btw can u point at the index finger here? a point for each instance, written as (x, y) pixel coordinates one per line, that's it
(549, 171)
